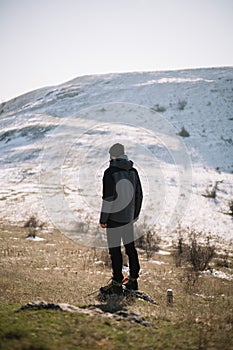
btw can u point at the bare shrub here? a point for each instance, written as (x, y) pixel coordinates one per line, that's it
(158, 108)
(183, 132)
(200, 255)
(105, 257)
(190, 280)
(101, 256)
(230, 211)
(32, 225)
(230, 204)
(99, 236)
(182, 104)
(212, 193)
(194, 254)
(178, 254)
(149, 242)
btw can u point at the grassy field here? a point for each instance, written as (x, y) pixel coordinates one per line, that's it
(60, 271)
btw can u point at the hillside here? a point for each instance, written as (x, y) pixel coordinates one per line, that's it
(56, 270)
(54, 147)
(177, 128)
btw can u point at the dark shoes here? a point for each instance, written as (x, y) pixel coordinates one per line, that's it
(130, 283)
(116, 288)
(112, 288)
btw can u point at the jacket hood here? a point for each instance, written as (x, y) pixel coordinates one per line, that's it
(124, 164)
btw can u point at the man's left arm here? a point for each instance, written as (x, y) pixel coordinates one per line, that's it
(108, 195)
(138, 197)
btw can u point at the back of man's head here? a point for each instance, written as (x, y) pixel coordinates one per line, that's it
(117, 150)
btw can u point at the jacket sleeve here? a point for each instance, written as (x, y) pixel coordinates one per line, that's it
(138, 197)
(108, 195)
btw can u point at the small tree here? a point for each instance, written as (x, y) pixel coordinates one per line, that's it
(182, 104)
(183, 132)
(32, 225)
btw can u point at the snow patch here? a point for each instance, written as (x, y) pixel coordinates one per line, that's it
(163, 252)
(174, 80)
(157, 262)
(35, 239)
(218, 274)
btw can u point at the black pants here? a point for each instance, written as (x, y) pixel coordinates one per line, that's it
(115, 234)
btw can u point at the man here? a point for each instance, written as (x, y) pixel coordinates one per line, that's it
(122, 200)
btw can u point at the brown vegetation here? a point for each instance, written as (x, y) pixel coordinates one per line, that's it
(58, 270)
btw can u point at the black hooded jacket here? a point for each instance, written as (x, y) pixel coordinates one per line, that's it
(122, 192)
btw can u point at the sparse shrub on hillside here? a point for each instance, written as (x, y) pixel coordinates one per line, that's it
(82, 227)
(200, 255)
(158, 108)
(230, 204)
(227, 141)
(190, 279)
(103, 110)
(1, 107)
(183, 132)
(105, 257)
(195, 257)
(211, 193)
(194, 254)
(182, 104)
(149, 241)
(32, 225)
(85, 226)
(32, 132)
(179, 252)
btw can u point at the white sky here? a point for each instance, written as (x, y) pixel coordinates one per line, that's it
(46, 42)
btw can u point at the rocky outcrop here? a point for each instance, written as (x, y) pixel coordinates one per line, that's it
(92, 310)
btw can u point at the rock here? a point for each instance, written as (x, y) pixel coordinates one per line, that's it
(91, 310)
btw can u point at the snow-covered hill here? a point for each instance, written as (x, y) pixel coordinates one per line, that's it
(54, 147)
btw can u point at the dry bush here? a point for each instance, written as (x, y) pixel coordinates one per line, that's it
(149, 242)
(230, 204)
(32, 225)
(200, 255)
(189, 278)
(183, 132)
(158, 108)
(101, 255)
(181, 104)
(194, 256)
(193, 253)
(212, 193)
(105, 257)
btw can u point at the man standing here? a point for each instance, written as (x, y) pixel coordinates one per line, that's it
(122, 200)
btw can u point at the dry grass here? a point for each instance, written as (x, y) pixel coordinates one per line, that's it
(59, 270)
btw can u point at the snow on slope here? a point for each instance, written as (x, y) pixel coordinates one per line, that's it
(201, 100)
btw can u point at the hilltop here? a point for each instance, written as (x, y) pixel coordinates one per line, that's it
(85, 115)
